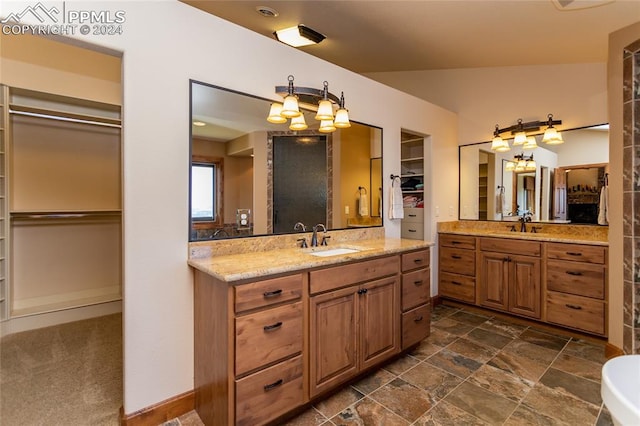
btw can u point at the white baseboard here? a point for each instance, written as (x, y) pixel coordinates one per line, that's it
(31, 322)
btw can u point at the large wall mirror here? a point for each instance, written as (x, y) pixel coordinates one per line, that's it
(564, 186)
(250, 177)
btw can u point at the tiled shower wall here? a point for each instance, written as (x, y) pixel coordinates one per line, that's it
(631, 203)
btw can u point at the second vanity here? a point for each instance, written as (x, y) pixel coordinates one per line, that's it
(558, 276)
(276, 329)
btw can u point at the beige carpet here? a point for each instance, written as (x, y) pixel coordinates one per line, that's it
(70, 374)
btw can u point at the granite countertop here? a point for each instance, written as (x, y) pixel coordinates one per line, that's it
(234, 268)
(583, 238)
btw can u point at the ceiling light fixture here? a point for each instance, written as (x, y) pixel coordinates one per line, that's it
(299, 36)
(325, 101)
(519, 131)
(199, 123)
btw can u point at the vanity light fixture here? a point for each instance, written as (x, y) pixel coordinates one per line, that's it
(520, 132)
(325, 101)
(299, 36)
(521, 163)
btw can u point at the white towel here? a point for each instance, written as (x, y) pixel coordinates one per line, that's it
(603, 210)
(396, 209)
(363, 204)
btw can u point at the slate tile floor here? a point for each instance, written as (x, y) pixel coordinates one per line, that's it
(474, 369)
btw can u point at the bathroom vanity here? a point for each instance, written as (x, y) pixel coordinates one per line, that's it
(277, 329)
(557, 277)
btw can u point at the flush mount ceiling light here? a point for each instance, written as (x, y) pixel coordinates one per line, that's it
(298, 36)
(325, 101)
(521, 138)
(199, 123)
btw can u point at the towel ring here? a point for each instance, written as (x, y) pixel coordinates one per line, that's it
(394, 177)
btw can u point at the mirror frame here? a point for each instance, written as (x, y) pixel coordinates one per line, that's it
(267, 102)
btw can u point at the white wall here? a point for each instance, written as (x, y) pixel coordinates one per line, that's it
(484, 97)
(164, 44)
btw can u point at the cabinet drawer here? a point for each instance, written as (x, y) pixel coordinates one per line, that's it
(269, 393)
(506, 245)
(342, 276)
(416, 325)
(413, 215)
(458, 287)
(576, 252)
(416, 288)
(267, 336)
(415, 259)
(458, 261)
(583, 279)
(412, 231)
(267, 292)
(577, 312)
(458, 241)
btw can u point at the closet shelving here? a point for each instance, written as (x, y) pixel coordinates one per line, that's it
(64, 202)
(412, 182)
(4, 223)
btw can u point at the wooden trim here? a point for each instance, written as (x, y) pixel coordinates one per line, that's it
(435, 301)
(612, 351)
(161, 412)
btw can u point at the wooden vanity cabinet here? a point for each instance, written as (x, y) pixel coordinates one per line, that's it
(353, 327)
(576, 286)
(248, 363)
(510, 282)
(416, 297)
(457, 264)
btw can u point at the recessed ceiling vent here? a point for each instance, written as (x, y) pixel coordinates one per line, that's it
(567, 5)
(267, 12)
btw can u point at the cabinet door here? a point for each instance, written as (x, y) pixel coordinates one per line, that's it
(494, 278)
(524, 285)
(333, 338)
(379, 320)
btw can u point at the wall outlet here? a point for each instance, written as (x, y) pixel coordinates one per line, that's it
(346, 209)
(450, 210)
(437, 211)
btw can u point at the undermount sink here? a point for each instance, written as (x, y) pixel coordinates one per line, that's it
(334, 252)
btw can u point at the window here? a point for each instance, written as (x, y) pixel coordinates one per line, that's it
(206, 191)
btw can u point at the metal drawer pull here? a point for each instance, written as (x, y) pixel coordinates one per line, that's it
(418, 283)
(362, 291)
(456, 283)
(574, 273)
(273, 385)
(573, 253)
(273, 293)
(273, 326)
(455, 256)
(456, 242)
(573, 306)
(413, 215)
(412, 230)
(420, 318)
(417, 260)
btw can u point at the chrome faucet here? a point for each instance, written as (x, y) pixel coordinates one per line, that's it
(314, 237)
(299, 226)
(526, 217)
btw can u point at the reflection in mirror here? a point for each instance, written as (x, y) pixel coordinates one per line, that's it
(251, 177)
(491, 190)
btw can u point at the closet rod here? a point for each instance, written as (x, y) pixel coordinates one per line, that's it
(69, 119)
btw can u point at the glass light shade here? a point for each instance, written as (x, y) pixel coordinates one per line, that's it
(290, 107)
(298, 123)
(531, 165)
(550, 133)
(509, 166)
(325, 111)
(342, 119)
(326, 126)
(521, 166)
(499, 144)
(530, 143)
(274, 114)
(292, 37)
(520, 138)
(557, 140)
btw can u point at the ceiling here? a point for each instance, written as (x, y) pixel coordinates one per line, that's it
(382, 36)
